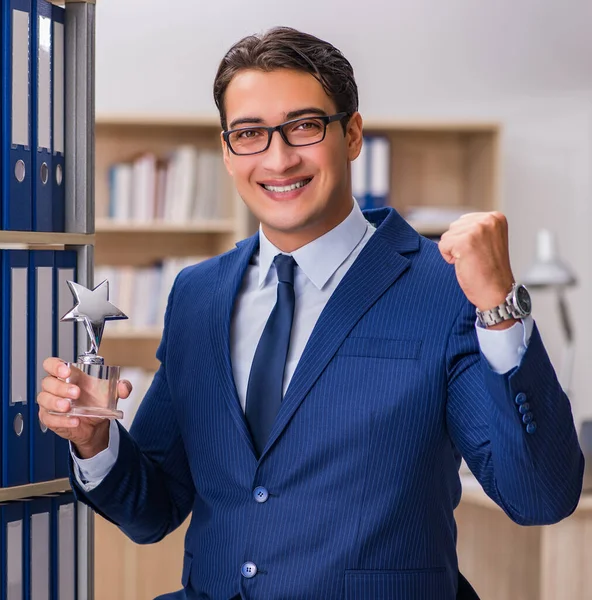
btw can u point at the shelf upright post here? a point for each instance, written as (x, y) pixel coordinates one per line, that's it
(80, 203)
(80, 111)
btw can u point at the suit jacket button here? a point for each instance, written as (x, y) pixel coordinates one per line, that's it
(248, 570)
(527, 418)
(531, 427)
(520, 398)
(524, 408)
(260, 494)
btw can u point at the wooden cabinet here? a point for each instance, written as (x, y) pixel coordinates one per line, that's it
(505, 561)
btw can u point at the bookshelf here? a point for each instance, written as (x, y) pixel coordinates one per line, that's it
(433, 165)
(143, 243)
(441, 166)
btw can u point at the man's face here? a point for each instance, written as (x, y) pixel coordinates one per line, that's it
(291, 219)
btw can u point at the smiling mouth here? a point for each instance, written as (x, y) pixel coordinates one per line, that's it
(286, 188)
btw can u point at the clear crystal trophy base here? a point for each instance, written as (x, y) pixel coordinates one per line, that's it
(98, 389)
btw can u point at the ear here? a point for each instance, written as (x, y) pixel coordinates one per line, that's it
(225, 154)
(354, 135)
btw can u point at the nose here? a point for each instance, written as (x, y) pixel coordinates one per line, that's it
(280, 157)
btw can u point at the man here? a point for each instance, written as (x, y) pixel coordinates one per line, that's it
(311, 409)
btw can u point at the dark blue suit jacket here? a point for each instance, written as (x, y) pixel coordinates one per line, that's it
(362, 463)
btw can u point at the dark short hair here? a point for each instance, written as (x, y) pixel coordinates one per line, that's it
(288, 48)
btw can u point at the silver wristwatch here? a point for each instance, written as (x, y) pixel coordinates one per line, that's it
(517, 306)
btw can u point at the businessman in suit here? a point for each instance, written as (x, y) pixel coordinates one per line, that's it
(319, 383)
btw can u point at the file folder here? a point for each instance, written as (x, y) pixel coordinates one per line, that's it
(16, 116)
(41, 83)
(359, 175)
(64, 540)
(58, 121)
(41, 333)
(15, 418)
(65, 337)
(12, 569)
(38, 549)
(379, 181)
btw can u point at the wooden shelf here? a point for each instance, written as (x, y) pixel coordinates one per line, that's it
(135, 351)
(418, 126)
(43, 238)
(144, 248)
(212, 121)
(131, 333)
(34, 489)
(112, 226)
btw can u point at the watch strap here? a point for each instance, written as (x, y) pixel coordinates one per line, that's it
(495, 315)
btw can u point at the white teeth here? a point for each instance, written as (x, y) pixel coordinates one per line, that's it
(286, 188)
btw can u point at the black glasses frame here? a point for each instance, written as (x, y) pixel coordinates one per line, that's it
(326, 119)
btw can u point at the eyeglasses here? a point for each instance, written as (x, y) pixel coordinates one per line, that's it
(298, 132)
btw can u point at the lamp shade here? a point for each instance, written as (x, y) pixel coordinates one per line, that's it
(548, 269)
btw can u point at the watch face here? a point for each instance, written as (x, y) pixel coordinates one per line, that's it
(523, 300)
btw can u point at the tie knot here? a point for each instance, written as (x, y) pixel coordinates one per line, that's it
(284, 266)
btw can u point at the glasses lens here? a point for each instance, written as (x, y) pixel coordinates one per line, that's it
(248, 141)
(305, 131)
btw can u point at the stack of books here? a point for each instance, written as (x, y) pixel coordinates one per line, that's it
(141, 292)
(189, 185)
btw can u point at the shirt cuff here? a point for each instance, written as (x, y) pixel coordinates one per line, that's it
(505, 348)
(90, 472)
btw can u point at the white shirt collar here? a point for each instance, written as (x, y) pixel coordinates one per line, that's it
(320, 258)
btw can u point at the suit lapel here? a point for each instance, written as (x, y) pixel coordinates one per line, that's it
(374, 271)
(230, 275)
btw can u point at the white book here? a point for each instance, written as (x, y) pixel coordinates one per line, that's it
(122, 191)
(185, 172)
(170, 188)
(152, 300)
(359, 175)
(143, 188)
(166, 283)
(160, 193)
(203, 186)
(141, 297)
(213, 201)
(124, 296)
(101, 273)
(380, 167)
(224, 191)
(140, 380)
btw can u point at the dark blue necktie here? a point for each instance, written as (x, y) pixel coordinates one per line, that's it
(266, 380)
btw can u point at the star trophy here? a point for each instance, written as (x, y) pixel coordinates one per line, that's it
(97, 381)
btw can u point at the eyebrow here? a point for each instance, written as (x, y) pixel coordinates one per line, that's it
(293, 114)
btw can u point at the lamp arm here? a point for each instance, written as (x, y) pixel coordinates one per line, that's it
(564, 313)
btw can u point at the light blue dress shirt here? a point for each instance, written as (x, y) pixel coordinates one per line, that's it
(321, 265)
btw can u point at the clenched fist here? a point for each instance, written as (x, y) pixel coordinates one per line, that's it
(477, 246)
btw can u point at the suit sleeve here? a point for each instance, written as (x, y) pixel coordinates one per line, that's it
(533, 472)
(149, 490)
